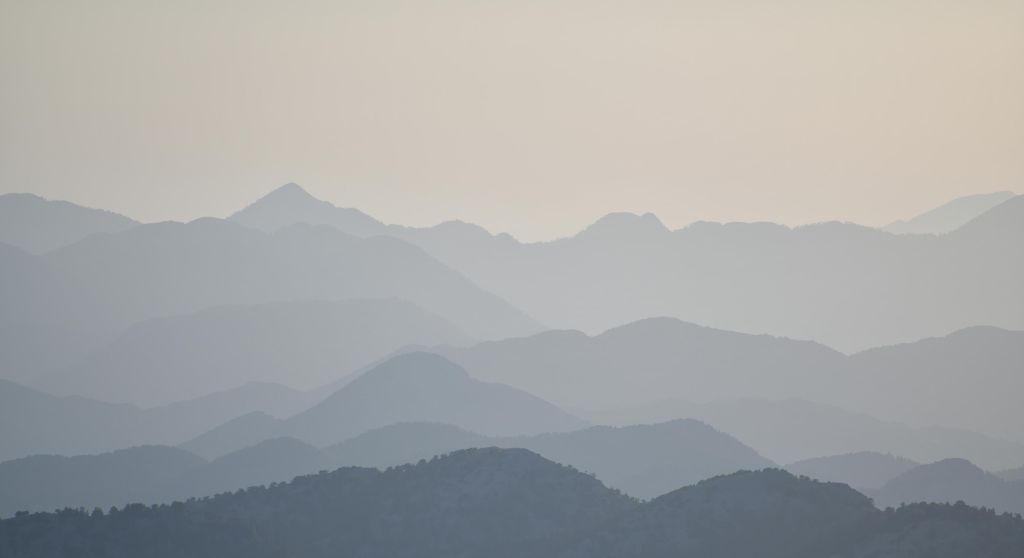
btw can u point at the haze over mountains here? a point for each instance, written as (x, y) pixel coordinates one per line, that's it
(877, 288)
(643, 461)
(949, 216)
(168, 361)
(703, 365)
(38, 225)
(305, 344)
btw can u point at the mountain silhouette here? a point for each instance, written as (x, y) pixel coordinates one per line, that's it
(104, 284)
(791, 430)
(952, 480)
(238, 433)
(865, 471)
(971, 376)
(511, 502)
(33, 422)
(876, 288)
(949, 216)
(644, 360)
(290, 204)
(1016, 474)
(299, 343)
(49, 482)
(273, 460)
(643, 460)
(39, 225)
(967, 379)
(423, 387)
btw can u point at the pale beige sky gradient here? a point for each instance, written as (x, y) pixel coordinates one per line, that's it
(532, 117)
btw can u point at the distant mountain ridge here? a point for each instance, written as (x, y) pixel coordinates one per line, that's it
(304, 343)
(102, 285)
(38, 225)
(877, 288)
(865, 471)
(971, 375)
(949, 216)
(410, 387)
(952, 480)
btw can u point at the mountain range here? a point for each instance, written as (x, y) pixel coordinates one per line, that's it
(660, 358)
(305, 344)
(865, 471)
(89, 293)
(792, 430)
(643, 461)
(876, 287)
(407, 388)
(949, 216)
(952, 480)
(38, 225)
(495, 502)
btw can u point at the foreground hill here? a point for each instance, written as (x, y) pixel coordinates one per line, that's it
(39, 225)
(865, 471)
(301, 343)
(492, 502)
(49, 482)
(952, 480)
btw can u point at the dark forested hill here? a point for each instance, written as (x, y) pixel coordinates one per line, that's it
(495, 503)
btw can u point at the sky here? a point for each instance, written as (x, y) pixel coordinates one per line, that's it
(530, 117)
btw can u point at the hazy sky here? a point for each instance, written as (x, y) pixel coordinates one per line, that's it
(528, 116)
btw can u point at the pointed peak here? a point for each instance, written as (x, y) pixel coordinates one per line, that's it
(291, 191)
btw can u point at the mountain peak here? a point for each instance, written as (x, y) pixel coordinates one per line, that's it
(418, 363)
(290, 204)
(625, 223)
(290, 192)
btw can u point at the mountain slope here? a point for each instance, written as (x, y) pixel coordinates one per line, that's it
(647, 359)
(952, 480)
(791, 430)
(33, 422)
(423, 387)
(290, 204)
(864, 471)
(949, 216)
(39, 225)
(105, 283)
(274, 460)
(967, 379)
(49, 482)
(492, 502)
(643, 461)
(300, 343)
(841, 284)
